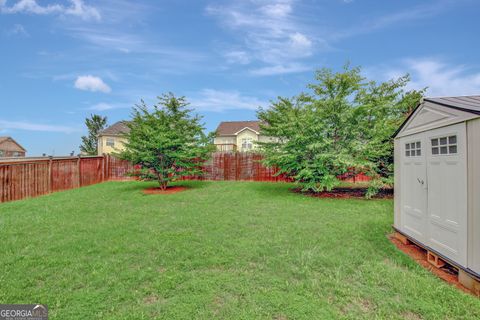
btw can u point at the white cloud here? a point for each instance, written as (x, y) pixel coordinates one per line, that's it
(268, 30)
(419, 12)
(77, 8)
(240, 57)
(91, 83)
(280, 69)
(17, 30)
(104, 106)
(277, 10)
(80, 9)
(29, 126)
(300, 41)
(442, 79)
(218, 101)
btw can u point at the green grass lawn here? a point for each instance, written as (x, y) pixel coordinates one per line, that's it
(226, 250)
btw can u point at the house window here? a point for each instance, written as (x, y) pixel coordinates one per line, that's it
(413, 149)
(444, 145)
(16, 154)
(247, 144)
(110, 142)
(2, 153)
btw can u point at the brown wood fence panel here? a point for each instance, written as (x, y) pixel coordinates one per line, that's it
(64, 174)
(24, 178)
(91, 171)
(18, 181)
(118, 169)
(237, 166)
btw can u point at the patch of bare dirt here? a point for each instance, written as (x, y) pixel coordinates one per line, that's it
(447, 273)
(151, 299)
(169, 190)
(411, 316)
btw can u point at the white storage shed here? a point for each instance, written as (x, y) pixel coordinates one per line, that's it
(437, 179)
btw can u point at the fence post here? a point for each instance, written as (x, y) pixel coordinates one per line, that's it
(50, 174)
(79, 171)
(237, 165)
(103, 167)
(107, 166)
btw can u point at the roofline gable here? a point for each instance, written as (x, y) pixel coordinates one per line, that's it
(451, 115)
(404, 123)
(18, 144)
(246, 128)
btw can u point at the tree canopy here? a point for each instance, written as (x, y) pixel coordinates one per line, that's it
(167, 141)
(94, 124)
(344, 124)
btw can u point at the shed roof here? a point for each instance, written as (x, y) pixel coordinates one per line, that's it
(230, 128)
(464, 103)
(12, 146)
(470, 104)
(116, 129)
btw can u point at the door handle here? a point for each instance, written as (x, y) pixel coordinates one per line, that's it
(420, 181)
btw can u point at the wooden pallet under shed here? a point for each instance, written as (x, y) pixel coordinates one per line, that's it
(465, 277)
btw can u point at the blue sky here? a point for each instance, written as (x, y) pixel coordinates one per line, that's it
(63, 60)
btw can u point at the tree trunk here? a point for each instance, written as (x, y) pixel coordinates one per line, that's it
(162, 182)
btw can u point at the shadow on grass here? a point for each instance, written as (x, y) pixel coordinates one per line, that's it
(133, 186)
(273, 189)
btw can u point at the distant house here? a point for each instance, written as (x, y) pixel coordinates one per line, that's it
(111, 139)
(11, 148)
(238, 136)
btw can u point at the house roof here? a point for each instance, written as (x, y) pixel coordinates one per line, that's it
(13, 146)
(464, 103)
(230, 128)
(115, 129)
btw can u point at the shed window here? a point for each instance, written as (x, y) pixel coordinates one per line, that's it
(444, 145)
(110, 142)
(413, 149)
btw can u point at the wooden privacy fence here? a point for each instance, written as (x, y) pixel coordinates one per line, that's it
(24, 178)
(237, 166)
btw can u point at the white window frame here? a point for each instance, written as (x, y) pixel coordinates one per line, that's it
(110, 142)
(449, 145)
(247, 143)
(415, 147)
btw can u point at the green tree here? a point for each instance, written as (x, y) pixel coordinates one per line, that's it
(94, 124)
(167, 142)
(345, 123)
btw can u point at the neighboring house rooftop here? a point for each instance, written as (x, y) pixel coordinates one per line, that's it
(231, 128)
(12, 146)
(115, 129)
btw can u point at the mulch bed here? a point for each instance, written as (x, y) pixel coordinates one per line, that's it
(446, 273)
(347, 193)
(169, 190)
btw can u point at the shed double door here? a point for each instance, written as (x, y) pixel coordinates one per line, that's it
(434, 190)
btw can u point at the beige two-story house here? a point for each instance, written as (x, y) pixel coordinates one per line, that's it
(112, 139)
(238, 136)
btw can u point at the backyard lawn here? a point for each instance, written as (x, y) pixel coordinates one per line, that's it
(226, 250)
